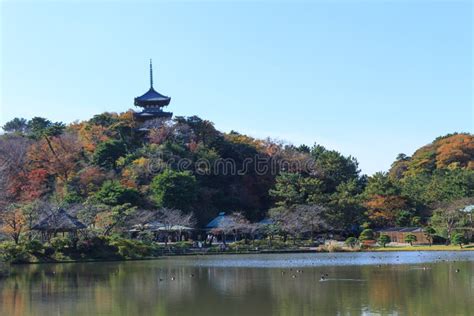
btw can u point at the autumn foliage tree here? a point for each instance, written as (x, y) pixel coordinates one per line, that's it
(13, 222)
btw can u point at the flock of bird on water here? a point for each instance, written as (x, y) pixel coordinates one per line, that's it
(324, 276)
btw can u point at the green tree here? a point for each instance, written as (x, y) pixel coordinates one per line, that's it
(366, 234)
(384, 240)
(381, 184)
(294, 188)
(458, 239)
(410, 238)
(39, 127)
(334, 168)
(404, 218)
(107, 153)
(17, 126)
(429, 234)
(345, 207)
(351, 242)
(173, 189)
(450, 185)
(113, 193)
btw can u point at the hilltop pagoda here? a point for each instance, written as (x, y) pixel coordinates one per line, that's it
(152, 103)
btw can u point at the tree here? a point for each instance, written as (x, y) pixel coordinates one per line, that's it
(458, 239)
(293, 188)
(383, 240)
(346, 210)
(59, 155)
(351, 242)
(17, 126)
(334, 168)
(383, 210)
(311, 218)
(449, 215)
(173, 219)
(116, 219)
(173, 189)
(13, 168)
(287, 221)
(113, 193)
(429, 234)
(300, 219)
(383, 200)
(39, 127)
(410, 238)
(449, 185)
(13, 222)
(107, 153)
(366, 234)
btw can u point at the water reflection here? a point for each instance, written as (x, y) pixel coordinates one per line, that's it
(251, 285)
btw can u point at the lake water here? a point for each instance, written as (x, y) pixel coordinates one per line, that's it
(391, 283)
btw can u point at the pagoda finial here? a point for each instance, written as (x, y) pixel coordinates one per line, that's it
(151, 74)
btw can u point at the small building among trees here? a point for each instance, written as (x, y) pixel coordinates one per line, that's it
(398, 234)
(58, 222)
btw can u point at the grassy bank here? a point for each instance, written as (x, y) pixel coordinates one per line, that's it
(425, 248)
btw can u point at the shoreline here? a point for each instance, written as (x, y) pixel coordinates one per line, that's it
(441, 248)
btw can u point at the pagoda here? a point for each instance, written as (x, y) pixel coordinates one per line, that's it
(152, 103)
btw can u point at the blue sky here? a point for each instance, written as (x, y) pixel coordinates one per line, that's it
(368, 78)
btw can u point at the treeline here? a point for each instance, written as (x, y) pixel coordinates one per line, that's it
(110, 167)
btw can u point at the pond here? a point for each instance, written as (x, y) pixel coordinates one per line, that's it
(388, 283)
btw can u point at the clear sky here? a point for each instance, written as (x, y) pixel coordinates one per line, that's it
(368, 78)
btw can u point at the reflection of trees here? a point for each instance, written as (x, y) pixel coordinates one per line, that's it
(134, 288)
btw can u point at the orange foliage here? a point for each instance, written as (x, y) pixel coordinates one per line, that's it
(244, 139)
(36, 185)
(13, 223)
(92, 135)
(59, 155)
(383, 210)
(457, 149)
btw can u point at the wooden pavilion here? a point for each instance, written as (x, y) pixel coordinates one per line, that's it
(58, 222)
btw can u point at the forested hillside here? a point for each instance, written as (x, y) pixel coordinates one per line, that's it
(109, 167)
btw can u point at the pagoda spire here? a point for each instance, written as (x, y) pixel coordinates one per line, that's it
(151, 74)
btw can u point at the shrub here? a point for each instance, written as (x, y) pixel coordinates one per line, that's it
(410, 238)
(351, 242)
(458, 239)
(131, 249)
(60, 244)
(34, 246)
(183, 245)
(96, 248)
(366, 234)
(13, 253)
(383, 240)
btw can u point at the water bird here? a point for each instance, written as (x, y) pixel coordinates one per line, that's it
(457, 270)
(160, 279)
(173, 278)
(191, 275)
(322, 278)
(293, 276)
(299, 271)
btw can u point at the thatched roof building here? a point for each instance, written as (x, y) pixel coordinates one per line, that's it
(59, 221)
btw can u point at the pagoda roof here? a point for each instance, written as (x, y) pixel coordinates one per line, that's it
(152, 97)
